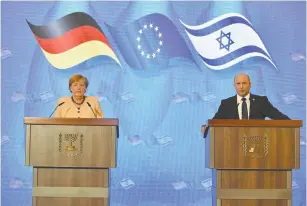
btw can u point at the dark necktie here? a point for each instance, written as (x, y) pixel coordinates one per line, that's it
(244, 109)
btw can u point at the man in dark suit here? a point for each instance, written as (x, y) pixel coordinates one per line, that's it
(245, 105)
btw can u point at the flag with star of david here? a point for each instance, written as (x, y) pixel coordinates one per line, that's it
(149, 42)
(226, 40)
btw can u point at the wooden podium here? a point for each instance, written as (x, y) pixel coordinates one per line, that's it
(254, 161)
(71, 160)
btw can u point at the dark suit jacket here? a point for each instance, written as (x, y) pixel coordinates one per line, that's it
(260, 108)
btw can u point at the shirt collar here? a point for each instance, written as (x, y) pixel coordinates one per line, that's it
(239, 98)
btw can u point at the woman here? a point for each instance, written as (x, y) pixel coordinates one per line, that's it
(78, 105)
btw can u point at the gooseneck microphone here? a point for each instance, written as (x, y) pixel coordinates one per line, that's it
(91, 108)
(56, 108)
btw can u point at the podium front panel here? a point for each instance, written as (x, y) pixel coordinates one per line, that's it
(71, 146)
(254, 148)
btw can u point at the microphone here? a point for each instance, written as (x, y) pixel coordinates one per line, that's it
(91, 108)
(56, 108)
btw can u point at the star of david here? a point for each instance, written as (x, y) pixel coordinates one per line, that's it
(228, 40)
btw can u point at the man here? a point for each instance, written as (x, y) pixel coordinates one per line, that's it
(245, 105)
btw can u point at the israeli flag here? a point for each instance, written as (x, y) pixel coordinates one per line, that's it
(226, 40)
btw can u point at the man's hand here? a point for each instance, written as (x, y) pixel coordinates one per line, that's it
(203, 129)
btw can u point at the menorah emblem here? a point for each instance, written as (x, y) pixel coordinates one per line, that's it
(70, 149)
(255, 146)
(70, 138)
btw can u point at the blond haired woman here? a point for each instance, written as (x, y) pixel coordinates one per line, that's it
(78, 105)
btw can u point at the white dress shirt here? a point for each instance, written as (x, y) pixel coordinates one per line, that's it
(239, 103)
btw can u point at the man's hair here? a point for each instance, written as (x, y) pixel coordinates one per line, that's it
(234, 80)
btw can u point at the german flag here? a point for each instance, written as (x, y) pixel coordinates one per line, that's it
(72, 40)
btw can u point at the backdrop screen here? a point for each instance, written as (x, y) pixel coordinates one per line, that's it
(162, 69)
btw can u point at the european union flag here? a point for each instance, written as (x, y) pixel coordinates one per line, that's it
(149, 42)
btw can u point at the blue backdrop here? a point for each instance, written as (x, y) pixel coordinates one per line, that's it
(161, 103)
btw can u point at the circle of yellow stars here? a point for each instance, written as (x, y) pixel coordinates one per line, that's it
(146, 54)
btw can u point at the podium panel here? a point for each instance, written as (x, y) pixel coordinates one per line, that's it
(70, 187)
(256, 148)
(72, 146)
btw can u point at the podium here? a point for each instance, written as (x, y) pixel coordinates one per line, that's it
(71, 160)
(253, 161)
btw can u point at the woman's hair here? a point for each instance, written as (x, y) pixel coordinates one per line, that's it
(77, 77)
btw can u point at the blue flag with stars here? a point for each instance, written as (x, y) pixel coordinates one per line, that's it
(150, 42)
